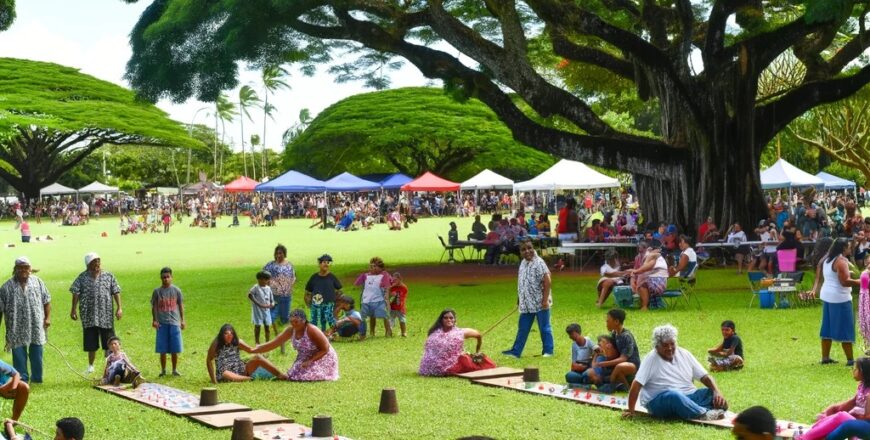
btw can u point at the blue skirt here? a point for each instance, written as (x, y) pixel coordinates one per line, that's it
(838, 322)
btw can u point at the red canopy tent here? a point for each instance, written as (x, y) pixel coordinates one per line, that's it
(430, 182)
(242, 184)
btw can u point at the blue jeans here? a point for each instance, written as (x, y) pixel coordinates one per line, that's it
(525, 325)
(852, 428)
(576, 378)
(674, 404)
(19, 361)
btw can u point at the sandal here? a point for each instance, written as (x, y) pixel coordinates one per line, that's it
(828, 361)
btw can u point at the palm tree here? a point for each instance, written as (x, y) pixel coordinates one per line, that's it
(273, 80)
(296, 129)
(224, 111)
(247, 98)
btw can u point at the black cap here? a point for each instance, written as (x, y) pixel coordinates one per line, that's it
(324, 257)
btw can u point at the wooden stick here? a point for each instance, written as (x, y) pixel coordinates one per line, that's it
(500, 321)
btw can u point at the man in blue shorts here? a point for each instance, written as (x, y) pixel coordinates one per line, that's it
(167, 313)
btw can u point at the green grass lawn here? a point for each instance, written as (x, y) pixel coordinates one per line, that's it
(215, 268)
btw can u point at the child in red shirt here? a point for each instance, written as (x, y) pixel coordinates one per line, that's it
(398, 295)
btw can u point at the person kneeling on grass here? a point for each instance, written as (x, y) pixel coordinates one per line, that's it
(223, 354)
(729, 354)
(836, 416)
(665, 383)
(350, 324)
(119, 369)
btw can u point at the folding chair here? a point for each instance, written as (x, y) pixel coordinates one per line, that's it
(685, 290)
(755, 286)
(449, 249)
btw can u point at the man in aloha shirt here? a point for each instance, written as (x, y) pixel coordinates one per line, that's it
(26, 305)
(534, 301)
(93, 291)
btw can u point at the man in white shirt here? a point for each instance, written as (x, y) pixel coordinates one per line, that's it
(665, 383)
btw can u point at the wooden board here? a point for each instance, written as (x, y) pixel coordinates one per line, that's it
(492, 373)
(287, 431)
(225, 420)
(170, 399)
(785, 428)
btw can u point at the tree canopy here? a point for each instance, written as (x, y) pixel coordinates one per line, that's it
(699, 61)
(411, 130)
(52, 117)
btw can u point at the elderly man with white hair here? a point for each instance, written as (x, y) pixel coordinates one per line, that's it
(93, 292)
(665, 383)
(26, 305)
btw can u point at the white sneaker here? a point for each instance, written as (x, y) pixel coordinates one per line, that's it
(713, 414)
(90, 369)
(547, 355)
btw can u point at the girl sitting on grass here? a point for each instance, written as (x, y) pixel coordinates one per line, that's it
(224, 354)
(853, 409)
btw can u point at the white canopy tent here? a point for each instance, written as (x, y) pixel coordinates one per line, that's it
(55, 189)
(487, 179)
(97, 188)
(785, 175)
(567, 174)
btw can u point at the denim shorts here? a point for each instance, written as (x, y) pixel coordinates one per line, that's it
(168, 339)
(376, 309)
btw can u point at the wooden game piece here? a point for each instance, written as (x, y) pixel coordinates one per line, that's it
(208, 397)
(321, 426)
(389, 404)
(243, 429)
(531, 375)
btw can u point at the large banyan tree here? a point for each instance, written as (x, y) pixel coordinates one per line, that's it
(700, 61)
(52, 117)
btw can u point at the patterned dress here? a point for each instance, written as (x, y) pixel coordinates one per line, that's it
(442, 351)
(228, 359)
(864, 308)
(325, 368)
(283, 276)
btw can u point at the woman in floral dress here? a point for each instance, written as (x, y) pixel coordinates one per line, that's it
(444, 345)
(316, 359)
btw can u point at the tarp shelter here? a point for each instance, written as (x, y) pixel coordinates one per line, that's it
(55, 189)
(389, 181)
(487, 179)
(430, 182)
(98, 188)
(785, 175)
(242, 184)
(292, 181)
(567, 174)
(834, 182)
(348, 182)
(200, 186)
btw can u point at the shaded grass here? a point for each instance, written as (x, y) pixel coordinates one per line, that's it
(214, 269)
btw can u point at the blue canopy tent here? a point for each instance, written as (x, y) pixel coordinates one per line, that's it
(834, 182)
(292, 181)
(392, 181)
(348, 182)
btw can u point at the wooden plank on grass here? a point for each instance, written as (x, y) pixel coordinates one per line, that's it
(225, 420)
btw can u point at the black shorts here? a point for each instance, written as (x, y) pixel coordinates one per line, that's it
(94, 337)
(347, 330)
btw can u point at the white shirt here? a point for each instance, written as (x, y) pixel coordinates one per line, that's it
(657, 375)
(832, 291)
(737, 238)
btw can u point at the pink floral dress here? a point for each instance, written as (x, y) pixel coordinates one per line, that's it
(864, 308)
(442, 351)
(325, 368)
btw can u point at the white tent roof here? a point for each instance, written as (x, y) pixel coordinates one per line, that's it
(834, 182)
(56, 188)
(785, 175)
(97, 188)
(487, 179)
(568, 174)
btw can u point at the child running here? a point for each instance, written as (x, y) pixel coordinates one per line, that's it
(398, 299)
(729, 354)
(838, 413)
(262, 302)
(864, 305)
(119, 369)
(374, 299)
(167, 314)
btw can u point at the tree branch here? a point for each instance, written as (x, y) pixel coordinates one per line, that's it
(568, 50)
(773, 117)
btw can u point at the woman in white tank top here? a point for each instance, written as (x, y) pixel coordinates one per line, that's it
(838, 320)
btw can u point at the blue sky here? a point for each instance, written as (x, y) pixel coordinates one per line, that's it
(92, 35)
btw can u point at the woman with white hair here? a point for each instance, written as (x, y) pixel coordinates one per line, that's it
(665, 383)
